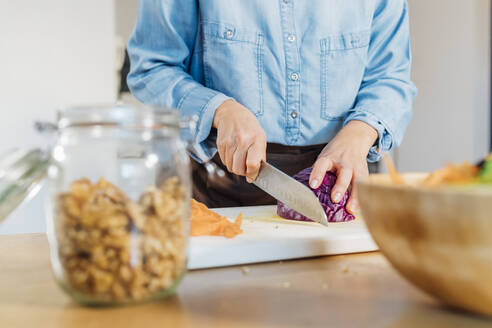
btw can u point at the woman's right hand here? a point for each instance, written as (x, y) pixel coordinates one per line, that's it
(240, 139)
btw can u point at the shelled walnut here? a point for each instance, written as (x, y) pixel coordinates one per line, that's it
(114, 249)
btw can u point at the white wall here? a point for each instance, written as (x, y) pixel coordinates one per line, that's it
(126, 16)
(53, 53)
(451, 47)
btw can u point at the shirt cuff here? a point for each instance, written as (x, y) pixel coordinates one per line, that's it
(202, 103)
(385, 140)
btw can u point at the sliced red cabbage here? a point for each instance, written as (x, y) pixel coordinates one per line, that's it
(334, 212)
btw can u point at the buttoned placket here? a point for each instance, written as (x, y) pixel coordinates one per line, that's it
(292, 111)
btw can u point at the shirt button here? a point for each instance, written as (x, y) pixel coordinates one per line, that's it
(294, 76)
(291, 38)
(293, 114)
(228, 34)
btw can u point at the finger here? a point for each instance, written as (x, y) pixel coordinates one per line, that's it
(320, 167)
(221, 149)
(256, 154)
(353, 207)
(344, 177)
(239, 161)
(353, 202)
(230, 148)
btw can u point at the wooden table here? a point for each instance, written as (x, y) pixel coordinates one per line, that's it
(339, 291)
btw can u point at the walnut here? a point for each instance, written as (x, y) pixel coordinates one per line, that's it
(71, 206)
(137, 215)
(116, 239)
(124, 256)
(81, 189)
(79, 277)
(152, 245)
(118, 291)
(114, 249)
(115, 221)
(111, 191)
(155, 265)
(102, 280)
(98, 257)
(125, 273)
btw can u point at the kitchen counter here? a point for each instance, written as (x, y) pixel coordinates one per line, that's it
(360, 290)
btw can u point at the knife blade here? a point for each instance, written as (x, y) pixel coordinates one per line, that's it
(290, 192)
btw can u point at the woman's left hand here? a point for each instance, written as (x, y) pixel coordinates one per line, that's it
(345, 155)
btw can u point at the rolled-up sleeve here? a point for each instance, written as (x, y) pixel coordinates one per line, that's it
(386, 94)
(160, 51)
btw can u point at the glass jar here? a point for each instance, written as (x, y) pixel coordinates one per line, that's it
(118, 211)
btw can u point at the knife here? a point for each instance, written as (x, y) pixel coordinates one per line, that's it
(290, 192)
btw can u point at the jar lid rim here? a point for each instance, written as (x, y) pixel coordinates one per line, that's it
(118, 115)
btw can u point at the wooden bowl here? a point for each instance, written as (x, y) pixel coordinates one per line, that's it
(439, 239)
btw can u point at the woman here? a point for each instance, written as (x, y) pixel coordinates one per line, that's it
(294, 82)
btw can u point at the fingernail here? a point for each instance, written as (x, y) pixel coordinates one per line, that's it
(314, 184)
(338, 197)
(353, 208)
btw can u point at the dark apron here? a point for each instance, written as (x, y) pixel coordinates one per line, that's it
(233, 190)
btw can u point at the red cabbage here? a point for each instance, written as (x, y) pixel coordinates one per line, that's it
(334, 212)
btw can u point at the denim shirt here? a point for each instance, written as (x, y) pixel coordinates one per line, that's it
(305, 68)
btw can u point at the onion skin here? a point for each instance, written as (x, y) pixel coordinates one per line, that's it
(334, 212)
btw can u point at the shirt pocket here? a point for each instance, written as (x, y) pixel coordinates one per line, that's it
(233, 63)
(343, 62)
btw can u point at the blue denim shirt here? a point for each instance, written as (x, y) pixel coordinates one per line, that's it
(304, 67)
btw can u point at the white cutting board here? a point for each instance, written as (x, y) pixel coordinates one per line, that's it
(266, 237)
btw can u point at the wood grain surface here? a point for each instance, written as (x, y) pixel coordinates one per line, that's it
(359, 290)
